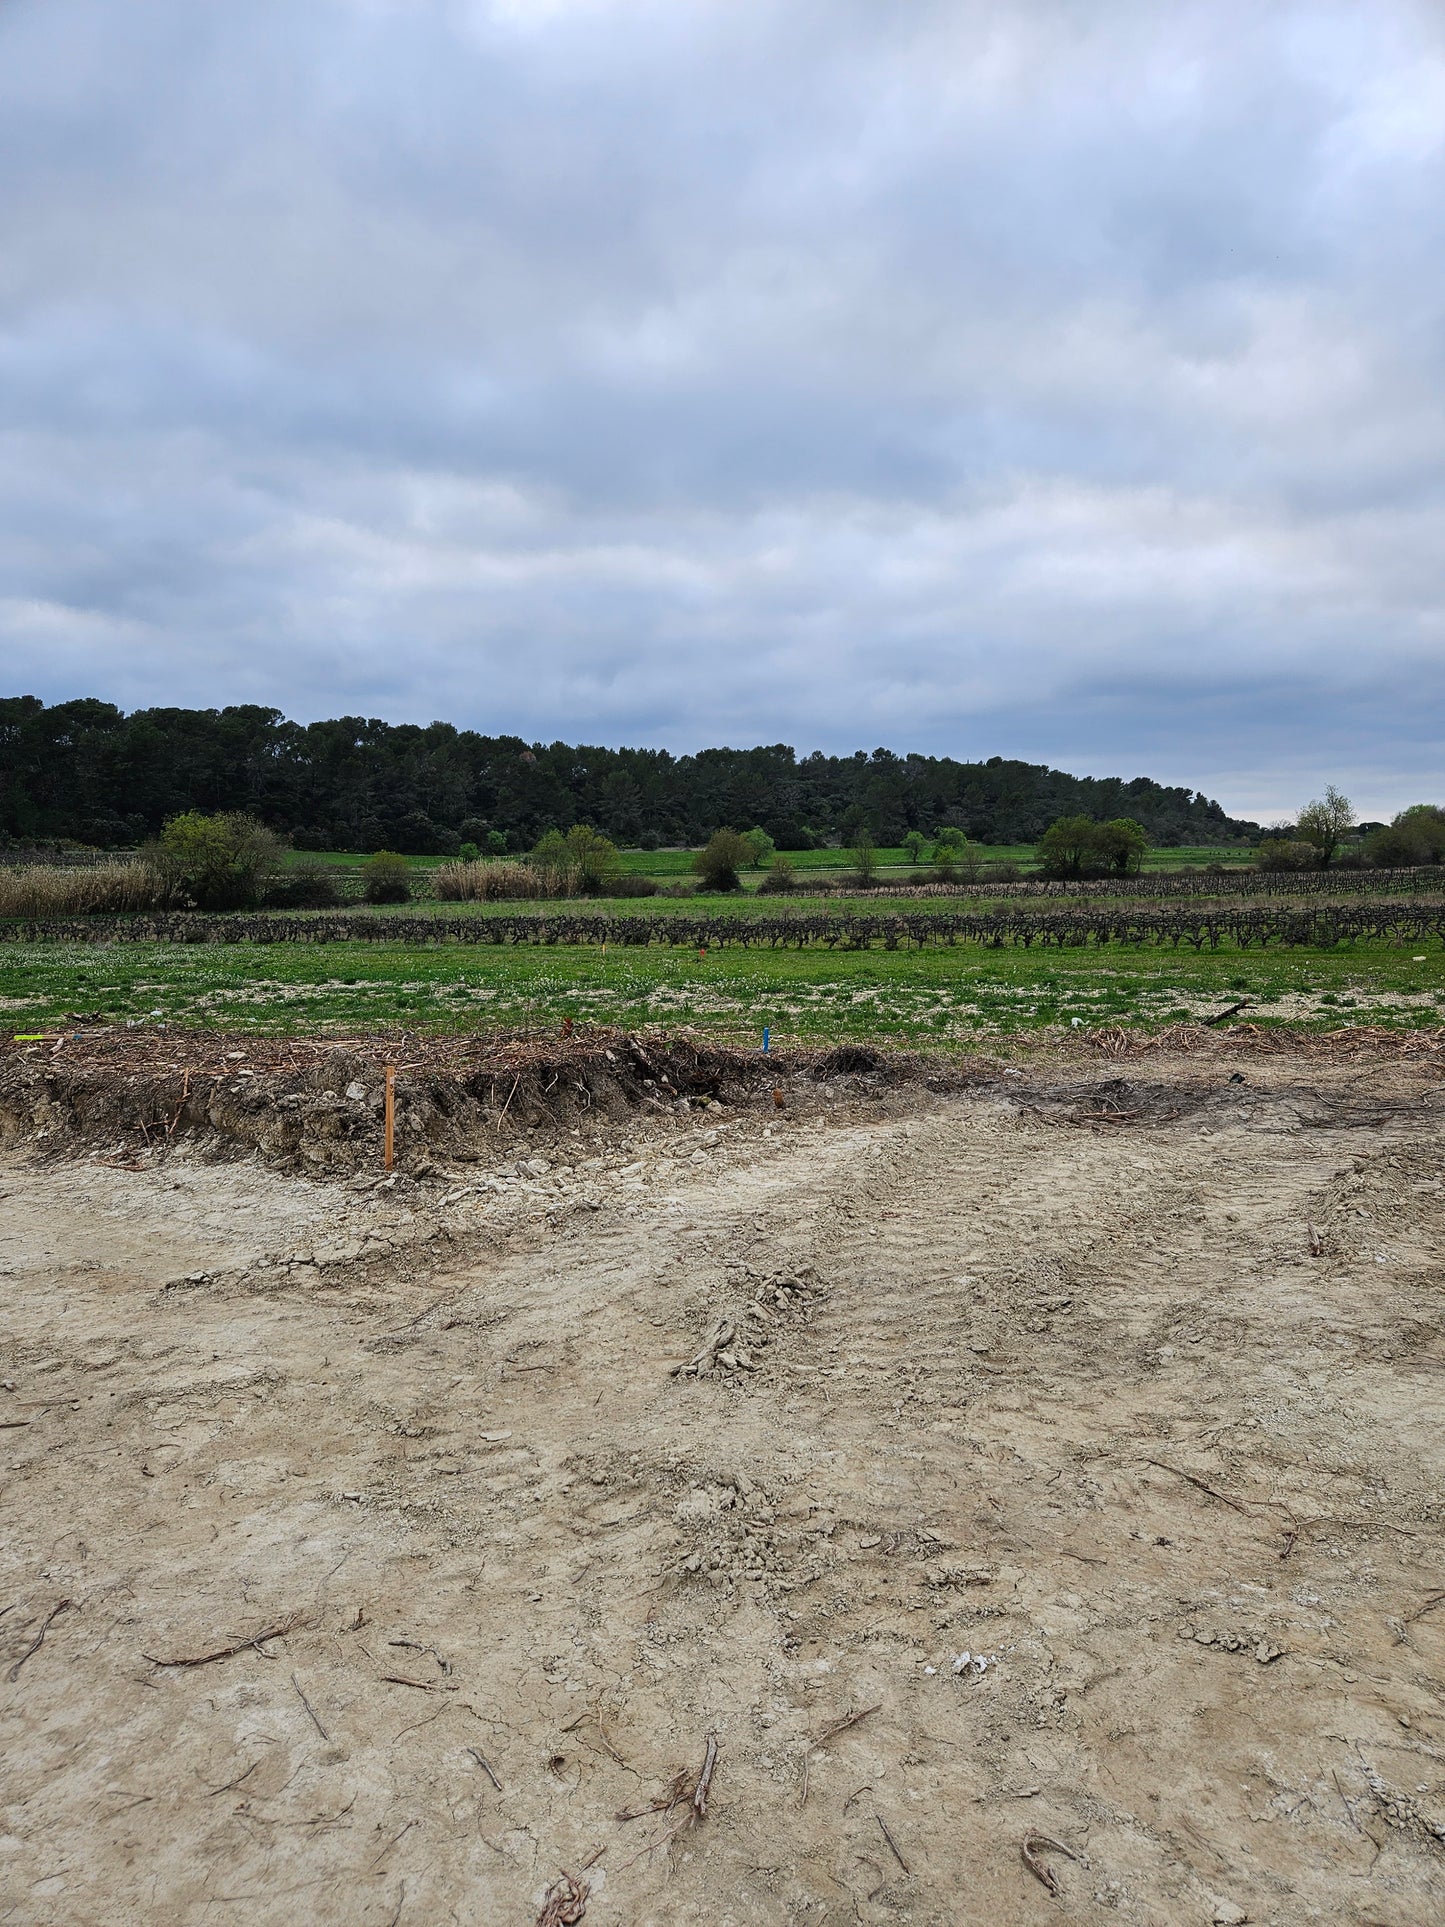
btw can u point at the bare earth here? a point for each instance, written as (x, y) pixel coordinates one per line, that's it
(1061, 1451)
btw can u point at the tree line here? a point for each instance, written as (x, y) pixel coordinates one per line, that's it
(86, 771)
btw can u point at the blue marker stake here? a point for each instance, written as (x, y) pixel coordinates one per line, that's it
(765, 1037)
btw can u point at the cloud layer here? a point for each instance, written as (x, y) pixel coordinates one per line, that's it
(1056, 378)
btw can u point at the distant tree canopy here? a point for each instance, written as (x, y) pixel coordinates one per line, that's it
(1076, 846)
(87, 771)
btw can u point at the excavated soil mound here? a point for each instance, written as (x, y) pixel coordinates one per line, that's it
(318, 1106)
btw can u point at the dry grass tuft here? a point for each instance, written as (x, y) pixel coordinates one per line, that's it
(40, 890)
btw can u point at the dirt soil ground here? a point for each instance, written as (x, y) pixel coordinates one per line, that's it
(1030, 1487)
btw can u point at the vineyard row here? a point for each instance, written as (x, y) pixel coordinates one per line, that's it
(1206, 928)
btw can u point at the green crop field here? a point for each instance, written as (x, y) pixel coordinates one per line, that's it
(674, 866)
(918, 997)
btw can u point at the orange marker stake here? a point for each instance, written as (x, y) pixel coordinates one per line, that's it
(389, 1153)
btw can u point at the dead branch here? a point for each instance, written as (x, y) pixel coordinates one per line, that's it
(60, 1606)
(255, 1642)
(831, 1733)
(1029, 1849)
(1179, 1473)
(481, 1760)
(565, 1903)
(896, 1850)
(415, 1646)
(675, 1790)
(311, 1710)
(420, 1685)
(704, 1780)
(696, 1805)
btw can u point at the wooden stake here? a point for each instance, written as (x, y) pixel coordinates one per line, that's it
(389, 1157)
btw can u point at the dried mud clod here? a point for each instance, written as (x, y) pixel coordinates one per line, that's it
(737, 1338)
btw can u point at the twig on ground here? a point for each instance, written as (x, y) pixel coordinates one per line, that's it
(415, 1646)
(1029, 1850)
(245, 1775)
(831, 1733)
(60, 1606)
(565, 1902)
(311, 1710)
(704, 1780)
(897, 1851)
(696, 1805)
(1179, 1473)
(392, 1842)
(421, 1685)
(867, 1860)
(257, 1640)
(1220, 1016)
(482, 1762)
(675, 1790)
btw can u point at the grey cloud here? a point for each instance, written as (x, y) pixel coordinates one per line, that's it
(1049, 378)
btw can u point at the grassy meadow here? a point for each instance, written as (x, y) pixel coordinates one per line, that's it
(675, 866)
(922, 997)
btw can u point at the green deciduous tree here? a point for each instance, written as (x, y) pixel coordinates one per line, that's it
(1077, 846)
(1325, 823)
(1416, 836)
(718, 865)
(582, 861)
(865, 860)
(760, 847)
(223, 862)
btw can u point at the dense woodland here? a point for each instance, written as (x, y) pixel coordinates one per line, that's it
(86, 771)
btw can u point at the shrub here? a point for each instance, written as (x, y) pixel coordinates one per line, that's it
(582, 862)
(224, 862)
(719, 863)
(760, 847)
(1279, 853)
(307, 885)
(40, 890)
(1416, 836)
(469, 853)
(865, 862)
(781, 880)
(386, 878)
(944, 868)
(627, 886)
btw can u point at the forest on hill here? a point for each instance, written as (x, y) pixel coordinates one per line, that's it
(87, 771)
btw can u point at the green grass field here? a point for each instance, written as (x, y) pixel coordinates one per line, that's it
(916, 997)
(675, 866)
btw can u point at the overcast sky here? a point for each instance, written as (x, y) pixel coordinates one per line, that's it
(1049, 378)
